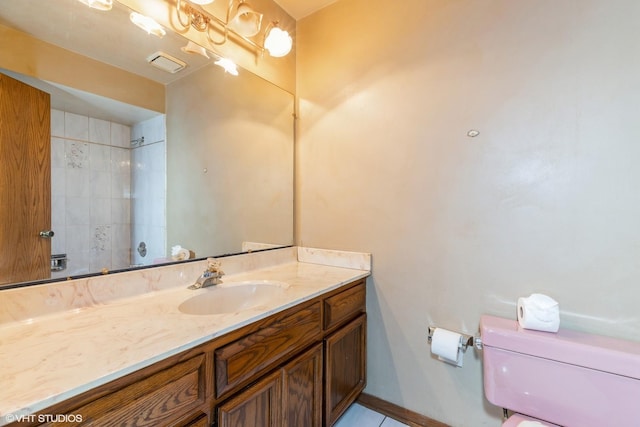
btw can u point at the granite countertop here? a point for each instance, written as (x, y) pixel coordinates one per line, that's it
(48, 359)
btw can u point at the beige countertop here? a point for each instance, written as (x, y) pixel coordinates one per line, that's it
(50, 358)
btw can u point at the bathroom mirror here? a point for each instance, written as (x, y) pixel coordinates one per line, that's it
(214, 174)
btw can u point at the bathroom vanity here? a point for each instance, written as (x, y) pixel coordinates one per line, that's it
(296, 360)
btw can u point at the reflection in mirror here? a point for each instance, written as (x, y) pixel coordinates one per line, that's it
(215, 175)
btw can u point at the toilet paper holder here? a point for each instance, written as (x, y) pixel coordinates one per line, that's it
(467, 340)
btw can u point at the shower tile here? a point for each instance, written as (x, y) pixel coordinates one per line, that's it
(120, 159)
(157, 157)
(57, 123)
(100, 184)
(58, 148)
(100, 211)
(120, 135)
(100, 157)
(78, 236)
(101, 239)
(78, 183)
(99, 131)
(121, 240)
(77, 260)
(58, 212)
(77, 154)
(59, 241)
(120, 185)
(76, 126)
(156, 214)
(58, 182)
(78, 211)
(120, 258)
(120, 211)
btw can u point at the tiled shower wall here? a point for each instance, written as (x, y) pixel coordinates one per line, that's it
(148, 184)
(90, 193)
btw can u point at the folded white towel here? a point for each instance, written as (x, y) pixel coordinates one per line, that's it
(178, 253)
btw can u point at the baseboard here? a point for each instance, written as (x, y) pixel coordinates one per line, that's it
(396, 412)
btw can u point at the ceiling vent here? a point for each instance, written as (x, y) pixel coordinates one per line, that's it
(166, 62)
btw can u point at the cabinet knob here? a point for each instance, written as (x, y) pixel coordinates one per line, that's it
(47, 234)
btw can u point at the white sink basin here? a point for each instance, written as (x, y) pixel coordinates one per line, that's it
(230, 297)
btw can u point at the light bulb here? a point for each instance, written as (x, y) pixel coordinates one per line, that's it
(278, 42)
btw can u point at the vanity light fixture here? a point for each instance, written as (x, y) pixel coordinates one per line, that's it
(147, 24)
(228, 65)
(98, 4)
(245, 24)
(191, 47)
(247, 21)
(278, 42)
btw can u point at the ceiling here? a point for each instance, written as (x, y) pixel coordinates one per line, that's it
(300, 8)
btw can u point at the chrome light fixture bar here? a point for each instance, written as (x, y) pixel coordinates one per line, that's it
(245, 23)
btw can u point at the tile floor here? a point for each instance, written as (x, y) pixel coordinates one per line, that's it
(359, 416)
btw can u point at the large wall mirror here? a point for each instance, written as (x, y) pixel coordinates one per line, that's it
(213, 173)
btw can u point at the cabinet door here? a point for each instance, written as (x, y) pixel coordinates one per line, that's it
(345, 367)
(257, 406)
(302, 389)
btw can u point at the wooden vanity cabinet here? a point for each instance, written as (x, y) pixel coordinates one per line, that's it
(290, 396)
(345, 368)
(301, 367)
(172, 392)
(317, 386)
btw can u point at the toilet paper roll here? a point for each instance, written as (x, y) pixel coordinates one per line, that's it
(447, 346)
(539, 312)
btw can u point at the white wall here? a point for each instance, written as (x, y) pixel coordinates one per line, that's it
(545, 199)
(230, 162)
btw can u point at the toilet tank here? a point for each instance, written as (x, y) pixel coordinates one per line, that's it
(568, 378)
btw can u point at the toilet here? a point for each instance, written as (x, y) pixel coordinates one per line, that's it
(569, 378)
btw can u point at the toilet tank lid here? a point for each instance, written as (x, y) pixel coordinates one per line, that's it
(598, 352)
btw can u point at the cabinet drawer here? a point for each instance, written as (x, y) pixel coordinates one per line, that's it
(345, 306)
(237, 362)
(154, 401)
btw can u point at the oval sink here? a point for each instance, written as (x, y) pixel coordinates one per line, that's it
(230, 297)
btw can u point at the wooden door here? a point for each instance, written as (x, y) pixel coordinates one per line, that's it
(25, 182)
(302, 390)
(257, 406)
(345, 368)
